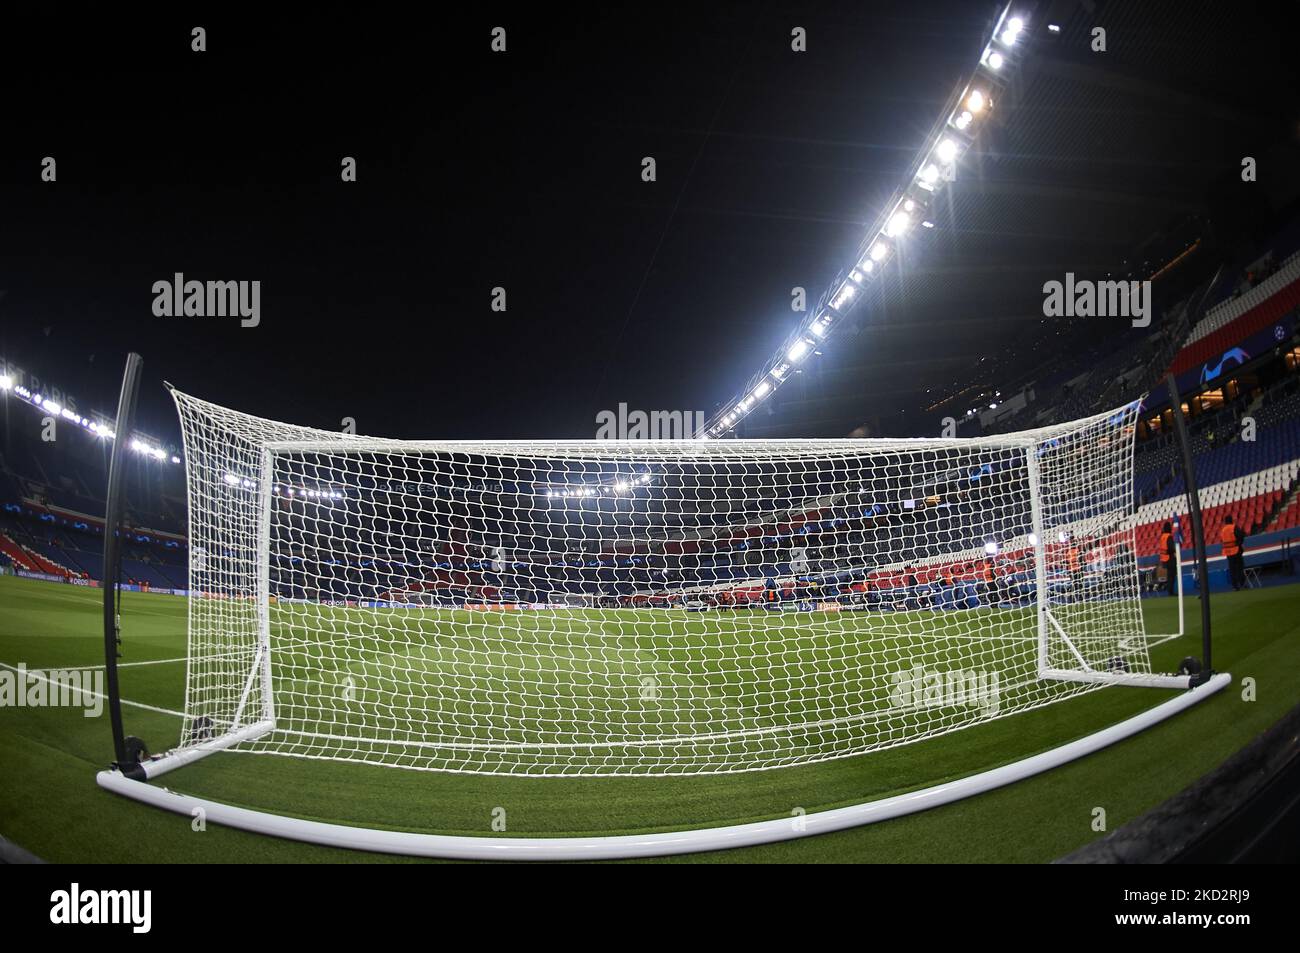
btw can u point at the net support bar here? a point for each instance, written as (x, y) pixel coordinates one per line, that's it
(642, 845)
(155, 767)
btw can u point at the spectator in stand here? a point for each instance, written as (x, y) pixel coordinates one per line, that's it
(1232, 537)
(910, 600)
(990, 580)
(1074, 562)
(1167, 561)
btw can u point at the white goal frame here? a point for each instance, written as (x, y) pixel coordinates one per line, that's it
(256, 719)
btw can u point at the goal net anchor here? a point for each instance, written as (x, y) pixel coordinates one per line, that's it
(515, 608)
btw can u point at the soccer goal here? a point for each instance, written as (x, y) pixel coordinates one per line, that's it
(616, 608)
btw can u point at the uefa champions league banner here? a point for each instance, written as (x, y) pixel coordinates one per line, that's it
(44, 576)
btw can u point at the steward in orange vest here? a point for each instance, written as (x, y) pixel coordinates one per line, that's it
(1231, 536)
(1167, 559)
(1228, 536)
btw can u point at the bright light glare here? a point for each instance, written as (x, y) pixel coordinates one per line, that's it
(6, 382)
(898, 224)
(995, 60)
(797, 351)
(947, 150)
(879, 251)
(761, 390)
(975, 101)
(991, 548)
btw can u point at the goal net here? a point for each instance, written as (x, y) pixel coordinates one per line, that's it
(646, 607)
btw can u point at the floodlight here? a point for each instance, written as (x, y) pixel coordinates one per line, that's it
(898, 224)
(947, 150)
(994, 60)
(879, 251)
(6, 382)
(761, 390)
(975, 101)
(797, 351)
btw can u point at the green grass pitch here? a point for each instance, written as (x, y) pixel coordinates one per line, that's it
(50, 804)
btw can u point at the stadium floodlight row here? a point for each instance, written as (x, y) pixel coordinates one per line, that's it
(935, 165)
(99, 428)
(318, 631)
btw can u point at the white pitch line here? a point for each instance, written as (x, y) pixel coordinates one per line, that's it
(36, 673)
(91, 668)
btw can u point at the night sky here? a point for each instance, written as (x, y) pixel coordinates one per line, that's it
(475, 170)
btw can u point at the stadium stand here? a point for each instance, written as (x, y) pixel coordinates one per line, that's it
(51, 494)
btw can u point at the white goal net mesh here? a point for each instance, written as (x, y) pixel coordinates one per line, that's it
(646, 607)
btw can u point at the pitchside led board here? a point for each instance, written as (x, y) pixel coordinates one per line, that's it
(1221, 363)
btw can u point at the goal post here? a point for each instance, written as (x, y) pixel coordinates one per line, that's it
(625, 608)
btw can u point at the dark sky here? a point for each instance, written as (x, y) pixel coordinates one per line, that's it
(476, 170)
